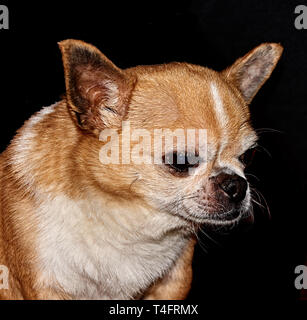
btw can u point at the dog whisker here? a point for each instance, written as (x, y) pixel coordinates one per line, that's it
(252, 175)
(261, 199)
(267, 130)
(264, 149)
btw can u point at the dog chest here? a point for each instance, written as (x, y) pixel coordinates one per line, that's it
(94, 260)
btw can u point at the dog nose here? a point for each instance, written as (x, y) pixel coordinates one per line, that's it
(233, 185)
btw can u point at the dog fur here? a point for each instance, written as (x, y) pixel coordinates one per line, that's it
(73, 228)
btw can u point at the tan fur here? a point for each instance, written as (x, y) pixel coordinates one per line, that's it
(56, 154)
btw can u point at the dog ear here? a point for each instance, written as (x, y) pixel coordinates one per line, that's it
(250, 72)
(97, 91)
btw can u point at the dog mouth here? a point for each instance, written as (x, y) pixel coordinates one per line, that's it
(199, 215)
(227, 218)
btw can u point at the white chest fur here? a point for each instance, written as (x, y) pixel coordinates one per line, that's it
(98, 253)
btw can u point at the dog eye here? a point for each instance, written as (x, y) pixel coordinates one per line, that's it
(247, 157)
(178, 163)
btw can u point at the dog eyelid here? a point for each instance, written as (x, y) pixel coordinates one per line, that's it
(176, 168)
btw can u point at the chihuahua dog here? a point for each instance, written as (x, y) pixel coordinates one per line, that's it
(75, 227)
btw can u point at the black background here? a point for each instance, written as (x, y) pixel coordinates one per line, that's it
(257, 263)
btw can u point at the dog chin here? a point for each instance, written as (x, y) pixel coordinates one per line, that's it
(227, 219)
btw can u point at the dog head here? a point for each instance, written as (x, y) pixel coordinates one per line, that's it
(134, 112)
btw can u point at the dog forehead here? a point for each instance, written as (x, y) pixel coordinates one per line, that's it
(184, 96)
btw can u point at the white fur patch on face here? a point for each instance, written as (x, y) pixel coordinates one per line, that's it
(221, 114)
(221, 117)
(223, 120)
